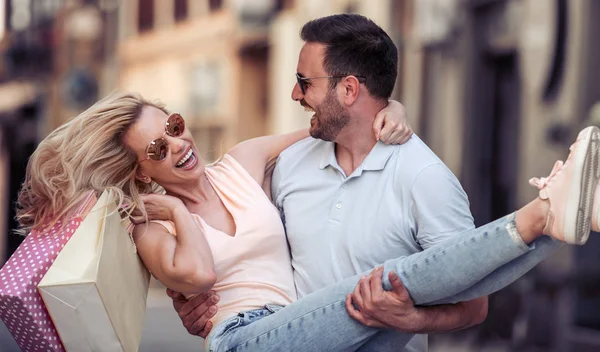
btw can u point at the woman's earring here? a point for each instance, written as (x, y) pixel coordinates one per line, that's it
(147, 179)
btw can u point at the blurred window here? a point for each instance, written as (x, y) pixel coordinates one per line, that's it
(3, 6)
(205, 80)
(181, 10)
(215, 4)
(281, 5)
(145, 15)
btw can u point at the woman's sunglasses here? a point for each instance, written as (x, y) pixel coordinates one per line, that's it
(158, 148)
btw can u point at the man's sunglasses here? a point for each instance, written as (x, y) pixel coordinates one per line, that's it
(302, 80)
(158, 148)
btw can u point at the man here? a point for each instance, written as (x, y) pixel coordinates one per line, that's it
(349, 203)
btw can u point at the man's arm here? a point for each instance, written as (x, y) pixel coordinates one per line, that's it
(452, 317)
(374, 307)
(440, 209)
(257, 154)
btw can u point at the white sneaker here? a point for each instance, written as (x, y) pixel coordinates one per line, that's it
(570, 189)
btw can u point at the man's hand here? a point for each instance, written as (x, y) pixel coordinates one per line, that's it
(390, 125)
(378, 308)
(195, 312)
(395, 309)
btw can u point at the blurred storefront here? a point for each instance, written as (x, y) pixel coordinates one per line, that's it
(205, 59)
(52, 59)
(22, 46)
(499, 90)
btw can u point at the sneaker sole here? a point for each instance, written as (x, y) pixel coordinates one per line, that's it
(584, 185)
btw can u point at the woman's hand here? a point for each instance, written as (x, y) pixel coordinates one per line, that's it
(390, 125)
(158, 207)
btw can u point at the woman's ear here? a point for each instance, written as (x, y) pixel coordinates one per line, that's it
(141, 177)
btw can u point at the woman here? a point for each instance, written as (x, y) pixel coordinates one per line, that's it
(216, 228)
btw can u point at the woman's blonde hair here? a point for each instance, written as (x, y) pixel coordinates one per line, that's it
(85, 154)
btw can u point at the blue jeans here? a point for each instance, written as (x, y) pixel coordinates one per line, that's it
(476, 263)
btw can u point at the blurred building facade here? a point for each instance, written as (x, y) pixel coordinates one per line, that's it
(497, 88)
(51, 60)
(213, 57)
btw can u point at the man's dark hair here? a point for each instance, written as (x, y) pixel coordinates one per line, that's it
(355, 45)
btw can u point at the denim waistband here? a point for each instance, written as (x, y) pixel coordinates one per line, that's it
(241, 319)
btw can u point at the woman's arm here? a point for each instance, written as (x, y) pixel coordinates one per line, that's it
(390, 125)
(184, 262)
(258, 154)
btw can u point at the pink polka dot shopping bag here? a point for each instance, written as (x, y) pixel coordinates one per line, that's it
(21, 307)
(78, 288)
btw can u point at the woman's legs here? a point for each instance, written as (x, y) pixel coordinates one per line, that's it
(563, 211)
(471, 269)
(320, 322)
(542, 248)
(469, 264)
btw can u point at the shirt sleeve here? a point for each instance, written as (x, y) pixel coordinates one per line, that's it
(440, 206)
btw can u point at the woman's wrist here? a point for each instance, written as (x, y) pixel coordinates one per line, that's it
(178, 210)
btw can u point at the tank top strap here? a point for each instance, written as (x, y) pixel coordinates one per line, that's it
(235, 186)
(169, 225)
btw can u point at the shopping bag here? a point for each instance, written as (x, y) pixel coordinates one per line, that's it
(21, 307)
(96, 289)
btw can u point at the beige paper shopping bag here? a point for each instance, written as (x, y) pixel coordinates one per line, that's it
(96, 289)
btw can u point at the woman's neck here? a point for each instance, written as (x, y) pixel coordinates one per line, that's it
(193, 194)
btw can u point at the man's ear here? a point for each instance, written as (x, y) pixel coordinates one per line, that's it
(351, 87)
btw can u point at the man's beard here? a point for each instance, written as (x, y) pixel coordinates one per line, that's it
(330, 118)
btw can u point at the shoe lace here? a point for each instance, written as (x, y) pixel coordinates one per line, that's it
(543, 182)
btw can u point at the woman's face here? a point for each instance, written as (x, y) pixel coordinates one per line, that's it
(181, 163)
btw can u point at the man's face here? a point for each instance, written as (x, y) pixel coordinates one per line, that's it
(330, 116)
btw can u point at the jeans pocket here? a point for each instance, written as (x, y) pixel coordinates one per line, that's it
(234, 323)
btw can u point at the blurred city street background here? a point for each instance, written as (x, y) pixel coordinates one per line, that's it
(497, 88)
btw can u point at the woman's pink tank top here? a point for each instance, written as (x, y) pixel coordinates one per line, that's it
(253, 267)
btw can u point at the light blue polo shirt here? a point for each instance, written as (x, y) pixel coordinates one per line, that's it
(400, 200)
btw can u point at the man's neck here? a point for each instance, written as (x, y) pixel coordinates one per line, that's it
(356, 140)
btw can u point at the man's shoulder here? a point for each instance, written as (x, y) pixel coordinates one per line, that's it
(413, 157)
(303, 152)
(297, 164)
(303, 146)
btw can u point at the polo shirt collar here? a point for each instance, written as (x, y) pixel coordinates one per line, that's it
(376, 160)
(328, 156)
